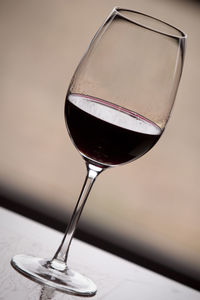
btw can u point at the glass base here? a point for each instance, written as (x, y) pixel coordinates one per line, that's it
(39, 269)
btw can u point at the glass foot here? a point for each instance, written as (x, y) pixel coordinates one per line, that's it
(39, 269)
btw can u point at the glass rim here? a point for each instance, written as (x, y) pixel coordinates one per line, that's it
(182, 35)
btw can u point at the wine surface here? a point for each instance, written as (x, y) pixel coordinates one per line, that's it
(108, 134)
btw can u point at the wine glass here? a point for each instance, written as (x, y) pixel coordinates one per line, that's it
(117, 106)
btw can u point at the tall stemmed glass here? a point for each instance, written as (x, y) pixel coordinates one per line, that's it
(117, 106)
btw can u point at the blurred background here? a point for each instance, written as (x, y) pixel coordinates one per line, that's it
(150, 207)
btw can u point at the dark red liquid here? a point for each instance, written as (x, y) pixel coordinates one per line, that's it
(90, 123)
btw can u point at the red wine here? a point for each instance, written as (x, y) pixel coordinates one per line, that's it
(108, 134)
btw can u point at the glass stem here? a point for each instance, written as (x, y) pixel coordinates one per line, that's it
(59, 260)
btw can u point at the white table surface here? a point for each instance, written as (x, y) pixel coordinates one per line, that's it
(116, 278)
